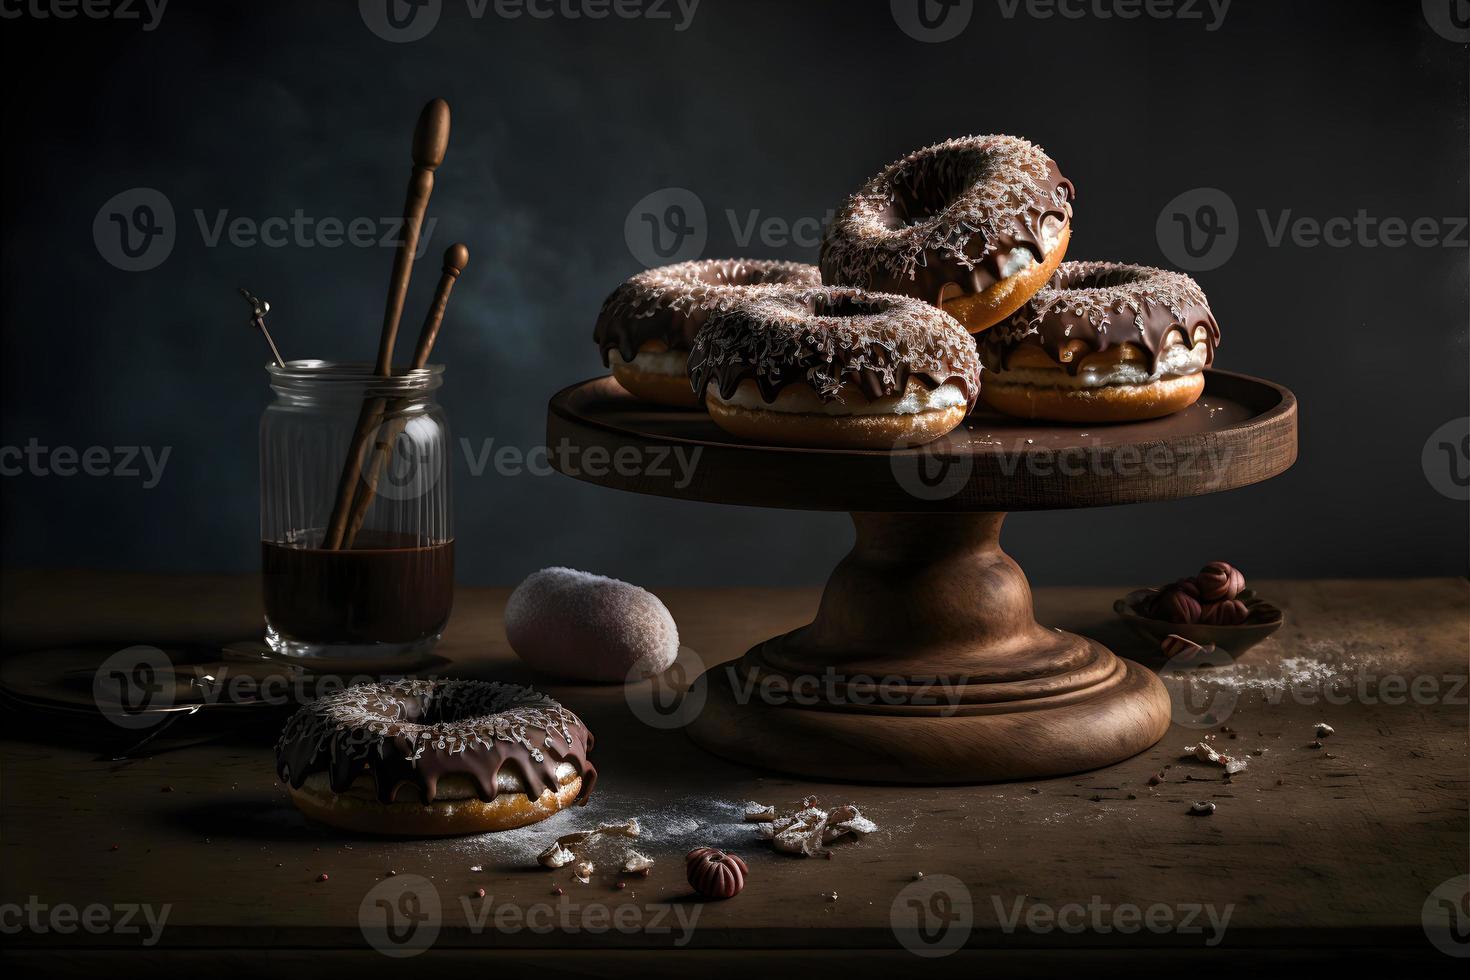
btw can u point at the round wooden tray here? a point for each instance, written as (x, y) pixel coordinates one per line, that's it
(924, 663)
(1241, 431)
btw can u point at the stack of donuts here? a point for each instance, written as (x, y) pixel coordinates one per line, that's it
(941, 285)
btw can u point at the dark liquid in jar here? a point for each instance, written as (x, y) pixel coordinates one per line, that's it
(387, 589)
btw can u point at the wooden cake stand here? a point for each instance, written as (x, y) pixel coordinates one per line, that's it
(924, 663)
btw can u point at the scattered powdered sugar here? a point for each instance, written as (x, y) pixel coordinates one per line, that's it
(1285, 674)
(667, 830)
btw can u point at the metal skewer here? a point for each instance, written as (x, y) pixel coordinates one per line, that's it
(258, 309)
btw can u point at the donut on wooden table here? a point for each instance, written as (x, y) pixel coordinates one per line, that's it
(433, 758)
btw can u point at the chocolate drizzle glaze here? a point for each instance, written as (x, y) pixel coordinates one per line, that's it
(1102, 304)
(419, 731)
(827, 337)
(945, 216)
(670, 303)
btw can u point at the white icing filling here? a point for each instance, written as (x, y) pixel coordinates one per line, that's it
(1021, 259)
(674, 362)
(800, 399)
(1176, 361)
(1051, 232)
(1018, 261)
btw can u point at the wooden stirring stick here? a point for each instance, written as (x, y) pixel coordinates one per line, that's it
(430, 143)
(456, 257)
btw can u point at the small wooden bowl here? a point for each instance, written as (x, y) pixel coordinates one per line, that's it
(1264, 620)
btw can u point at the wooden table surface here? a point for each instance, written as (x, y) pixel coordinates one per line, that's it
(1311, 852)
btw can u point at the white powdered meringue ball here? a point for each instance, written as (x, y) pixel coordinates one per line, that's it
(587, 627)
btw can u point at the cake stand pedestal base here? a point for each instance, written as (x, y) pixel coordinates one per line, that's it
(925, 664)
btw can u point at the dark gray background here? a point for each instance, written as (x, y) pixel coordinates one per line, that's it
(561, 125)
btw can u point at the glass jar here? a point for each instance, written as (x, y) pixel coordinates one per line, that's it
(357, 557)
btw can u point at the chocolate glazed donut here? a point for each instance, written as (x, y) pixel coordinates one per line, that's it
(1102, 342)
(837, 368)
(434, 758)
(646, 326)
(973, 225)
